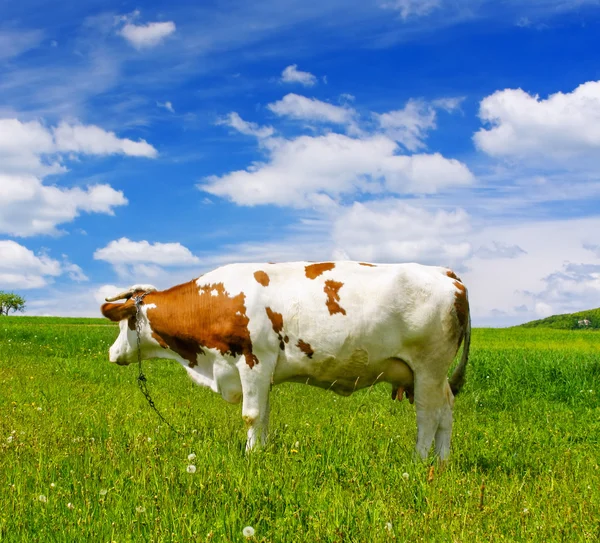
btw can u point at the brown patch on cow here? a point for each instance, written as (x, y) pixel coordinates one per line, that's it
(461, 304)
(332, 289)
(121, 311)
(189, 318)
(277, 324)
(305, 348)
(262, 278)
(314, 270)
(160, 340)
(452, 275)
(367, 264)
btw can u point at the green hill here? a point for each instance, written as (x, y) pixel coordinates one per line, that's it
(569, 321)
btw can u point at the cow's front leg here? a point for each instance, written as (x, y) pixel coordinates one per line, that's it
(256, 383)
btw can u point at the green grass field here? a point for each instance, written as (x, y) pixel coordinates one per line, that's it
(83, 458)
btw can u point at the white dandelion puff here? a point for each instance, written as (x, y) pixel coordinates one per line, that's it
(388, 526)
(191, 457)
(70, 506)
(42, 498)
(248, 532)
(406, 476)
(191, 468)
(103, 492)
(140, 509)
(9, 439)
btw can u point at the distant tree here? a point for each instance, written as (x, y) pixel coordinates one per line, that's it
(9, 301)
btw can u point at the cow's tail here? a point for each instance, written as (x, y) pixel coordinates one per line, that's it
(457, 379)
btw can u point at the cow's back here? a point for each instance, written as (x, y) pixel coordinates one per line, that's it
(339, 312)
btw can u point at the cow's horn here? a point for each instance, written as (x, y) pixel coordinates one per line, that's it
(125, 295)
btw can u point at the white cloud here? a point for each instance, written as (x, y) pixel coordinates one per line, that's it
(28, 207)
(541, 281)
(93, 140)
(166, 105)
(21, 268)
(592, 247)
(308, 171)
(393, 231)
(410, 125)
(449, 104)
(524, 126)
(31, 150)
(291, 74)
(147, 35)
(15, 42)
(412, 8)
(311, 109)
(233, 120)
(125, 251)
(573, 288)
(32, 147)
(496, 249)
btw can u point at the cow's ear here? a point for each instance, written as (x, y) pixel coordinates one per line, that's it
(118, 312)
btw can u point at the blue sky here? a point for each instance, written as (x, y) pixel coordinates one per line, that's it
(149, 144)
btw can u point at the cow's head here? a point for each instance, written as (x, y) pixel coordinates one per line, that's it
(124, 350)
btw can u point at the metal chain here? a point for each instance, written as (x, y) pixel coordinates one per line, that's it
(142, 380)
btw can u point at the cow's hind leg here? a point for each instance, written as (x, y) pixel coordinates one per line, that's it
(433, 402)
(256, 384)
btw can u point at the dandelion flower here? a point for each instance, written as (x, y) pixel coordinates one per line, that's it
(42, 498)
(140, 509)
(248, 532)
(191, 468)
(191, 457)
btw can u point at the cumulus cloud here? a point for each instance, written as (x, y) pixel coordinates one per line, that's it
(126, 251)
(234, 121)
(392, 230)
(93, 140)
(29, 151)
(144, 36)
(291, 74)
(33, 147)
(525, 126)
(315, 170)
(28, 207)
(22, 268)
(310, 109)
(567, 288)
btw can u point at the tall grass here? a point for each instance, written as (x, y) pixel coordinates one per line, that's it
(83, 458)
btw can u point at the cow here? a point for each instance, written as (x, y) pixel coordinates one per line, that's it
(341, 326)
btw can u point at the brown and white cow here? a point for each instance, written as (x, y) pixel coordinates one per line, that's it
(337, 325)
